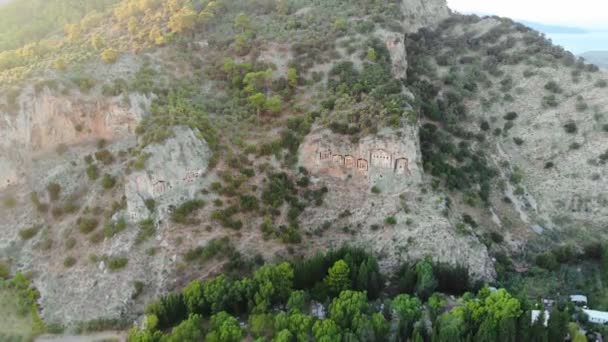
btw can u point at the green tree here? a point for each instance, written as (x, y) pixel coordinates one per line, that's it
(435, 305)
(274, 104)
(557, 327)
(258, 101)
(109, 56)
(194, 297)
(425, 279)
(408, 311)
(284, 336)
(224, 328)
(261, 325)
(242, 22)
(326, 331)
(97, 42)
(338, 277)
(380, 326)
(189, 330)
(217, 293)
(271, 284)
(297, 301)
(182, 21)
(292, 77)
(450, 328)
(347, 306)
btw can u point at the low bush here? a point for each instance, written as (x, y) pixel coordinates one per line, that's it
(391, 220)
(183, 213)
(104, 156)
(146, 230)
(113, 228)
(115, 264)
(29, 233)
(87, 224)
(92, 172)
(54, 191)
(108, 182)
(570, 127)
(69, 261)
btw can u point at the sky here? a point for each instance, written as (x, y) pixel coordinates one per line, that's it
(589, 14)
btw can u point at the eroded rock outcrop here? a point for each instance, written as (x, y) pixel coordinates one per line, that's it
(45, 119)
(171, 173)
(388, 162)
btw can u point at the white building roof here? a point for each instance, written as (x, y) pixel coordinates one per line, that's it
(578, 298)
(595, 316)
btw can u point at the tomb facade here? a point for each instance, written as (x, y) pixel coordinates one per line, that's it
(362, 165)
(325, 155)
(349, 162)
(381, 158)
(338, 160)
(401, 166)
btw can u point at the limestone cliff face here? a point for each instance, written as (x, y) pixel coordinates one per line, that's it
(46, 119)
(390, 162)
(171, 173)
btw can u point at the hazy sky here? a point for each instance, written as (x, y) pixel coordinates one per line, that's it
(581, 13)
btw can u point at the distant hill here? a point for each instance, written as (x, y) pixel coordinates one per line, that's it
(548, 29)
(599, 58)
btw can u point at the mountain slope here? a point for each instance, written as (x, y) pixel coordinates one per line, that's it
(158, 142)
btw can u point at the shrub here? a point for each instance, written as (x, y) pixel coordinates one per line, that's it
(496, 237)
(109, 56)
(104, 156)
(108, 182)
(601, 83)
(87, 224)
(115, 264)
(182, 213)
(92, 172)
(547, 261)
(249, 203)
(5, 270)
(29, 233)
(391, 220)
(550, 101)
(113, 228)
(553, 87)
(510, 116)
(54, 190)
(376, 190)
(146, 230)
(70, 243)
(570, 127)
(518, 141)
(549, 165)
(150, 204)
(69, 261)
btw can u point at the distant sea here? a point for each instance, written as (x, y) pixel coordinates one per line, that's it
(578, 43)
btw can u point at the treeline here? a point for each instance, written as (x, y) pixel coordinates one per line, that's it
(27, 21)
(340, 296)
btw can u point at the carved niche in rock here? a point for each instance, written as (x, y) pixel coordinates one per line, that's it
(349, 162)
(325, 155)
(362, 165)
(401, 166)
(382, 159)
(338, 160)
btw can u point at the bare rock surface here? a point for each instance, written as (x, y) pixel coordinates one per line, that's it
(170, 175)
(381, 177)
